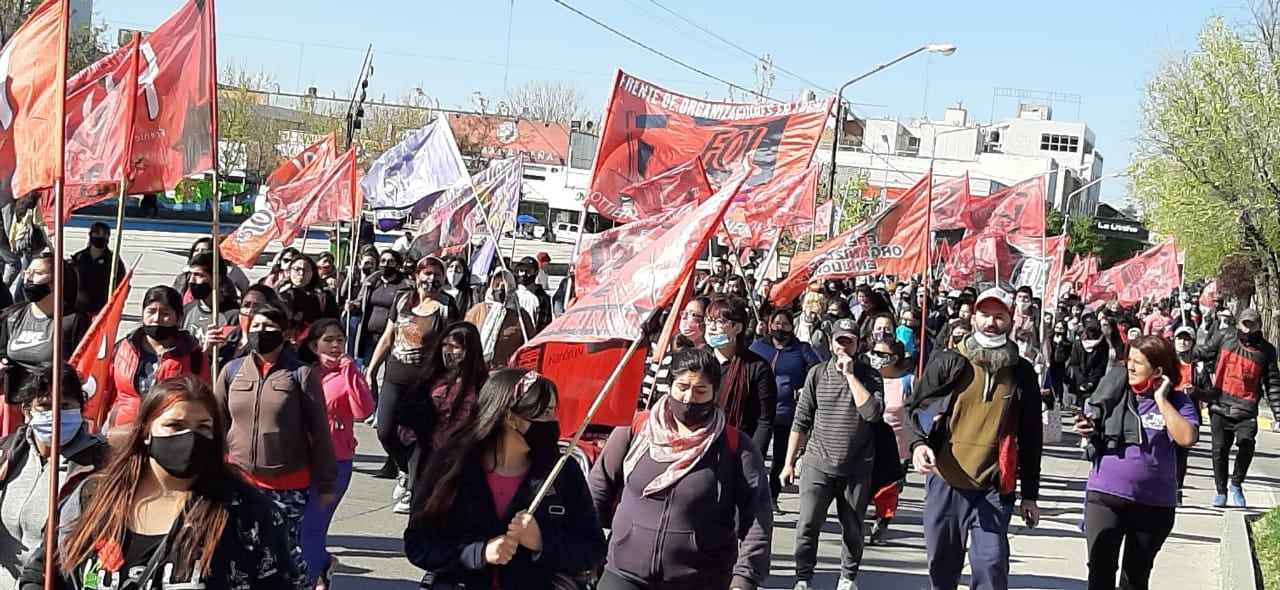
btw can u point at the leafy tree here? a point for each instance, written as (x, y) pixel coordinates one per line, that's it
(1206, 165)
(1083, 240)
(247, 136)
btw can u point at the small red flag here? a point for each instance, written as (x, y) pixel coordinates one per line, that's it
(92, 358)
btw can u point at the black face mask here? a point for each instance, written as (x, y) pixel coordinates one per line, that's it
(98, 242)
(956, 340)
(452, 359)
(36, 293)
(160, 333)
(200, 291)
(526, 279)
(500, 295)
(391, 273)
(430, 285)
(691, 414)
(1252, 339)
(367, 270)
(183, 455)
(265, 342)
(542, 435)
(783, 336)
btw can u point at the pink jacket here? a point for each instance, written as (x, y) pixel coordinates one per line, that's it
(347, 399)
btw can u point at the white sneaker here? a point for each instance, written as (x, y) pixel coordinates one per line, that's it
(847, 584)
(402, 507)
(402, 487)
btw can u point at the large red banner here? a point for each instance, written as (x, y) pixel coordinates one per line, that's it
(1080, 274)
(604, 254)
(682, 185)
(246, 244)
(950, 200)
(1152, 274)
(1015, 211)
(649, 130)
(894, 242)
(31, 100)
(580, 348)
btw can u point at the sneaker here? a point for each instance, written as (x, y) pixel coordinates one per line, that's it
(402, 486)
(801, 585)
(402, 507)
(325, 580)
(1219, 500)
(878, 531)
(847, 584)
(388, 471)
(1237, 497)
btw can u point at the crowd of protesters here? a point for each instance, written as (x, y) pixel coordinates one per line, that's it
(222, 443)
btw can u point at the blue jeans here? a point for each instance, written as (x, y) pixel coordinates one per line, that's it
(314, 530)
(956, 518)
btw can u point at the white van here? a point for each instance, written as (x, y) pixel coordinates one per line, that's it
(567, 233)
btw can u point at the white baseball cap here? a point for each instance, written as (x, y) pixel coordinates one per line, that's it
(998, 294)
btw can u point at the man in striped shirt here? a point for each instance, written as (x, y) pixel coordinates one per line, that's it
(840, 400)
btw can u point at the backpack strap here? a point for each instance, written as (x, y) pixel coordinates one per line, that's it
(233, 367)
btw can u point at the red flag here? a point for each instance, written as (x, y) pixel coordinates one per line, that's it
(92, 358)
(757, 218)
(1079, 275)
(32, 65)
(246, 244)
(320, 194)
(1017, 210)
(581, 347)
(173, 120)
(604, 254)
(1209, 295)
(649, 130)
(894, 242)
(681, 185)
(950, 199)
(1152, 273)
(101, 100)
(976, 258)
(823, 221)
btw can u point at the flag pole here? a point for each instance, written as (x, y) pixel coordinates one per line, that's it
(668, 330)
(923, 331)
(131, 102)
(357, 220)
(215, 230)
(59, 265)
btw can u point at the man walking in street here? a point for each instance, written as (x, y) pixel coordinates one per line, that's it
(93, 265)
(974, 428)
(840, 400)
(1244, 371)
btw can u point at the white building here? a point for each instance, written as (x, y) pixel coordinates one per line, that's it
(995, 156)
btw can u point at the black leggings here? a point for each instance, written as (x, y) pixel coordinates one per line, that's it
(1110, 521)
(612, 581)
(781, 437)
(388, 398)
(1226, 432)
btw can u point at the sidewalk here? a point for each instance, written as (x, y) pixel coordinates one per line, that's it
(1051, 556)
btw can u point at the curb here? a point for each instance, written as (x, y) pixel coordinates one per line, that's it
(1236, 553)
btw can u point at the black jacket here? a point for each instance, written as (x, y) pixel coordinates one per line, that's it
(1086, 368)
(572, 538)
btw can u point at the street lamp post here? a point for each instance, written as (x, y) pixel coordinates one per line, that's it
(939, 48)
(1066, 201)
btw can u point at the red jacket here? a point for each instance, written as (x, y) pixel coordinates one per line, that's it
(121, 398)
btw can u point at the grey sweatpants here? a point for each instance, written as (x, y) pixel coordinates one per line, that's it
(817, 490)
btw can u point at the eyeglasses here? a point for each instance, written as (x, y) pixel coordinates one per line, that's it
(286, 261)
(720, 322)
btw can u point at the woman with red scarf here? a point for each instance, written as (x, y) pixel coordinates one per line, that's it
(750, 391)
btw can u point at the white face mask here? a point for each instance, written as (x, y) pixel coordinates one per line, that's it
(987, 341)
(454, 277)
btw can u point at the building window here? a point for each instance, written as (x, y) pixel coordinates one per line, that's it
(1050, 142)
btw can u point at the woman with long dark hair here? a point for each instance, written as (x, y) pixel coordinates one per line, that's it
(685, 492)
(457, 282)
(426, 420)
(169, 509)
(1137, 418)
(278, 275)
(469, 528)
(414, 328)
(155, 351)
(304, 275)
(750, 393)
(347, 399)
(378, 298)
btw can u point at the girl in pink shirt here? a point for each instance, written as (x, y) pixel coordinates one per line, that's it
(347, 399)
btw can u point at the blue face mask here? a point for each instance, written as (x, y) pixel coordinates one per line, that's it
(717, 340)
(42, 426)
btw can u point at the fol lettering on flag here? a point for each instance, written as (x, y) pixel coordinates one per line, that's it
(649, 130)
(582, 346)
(893, 242)
(92, 357)
(246, 244)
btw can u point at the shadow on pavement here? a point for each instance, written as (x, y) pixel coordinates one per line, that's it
(365, 546)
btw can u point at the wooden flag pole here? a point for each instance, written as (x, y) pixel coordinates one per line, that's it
(115, 247)
(131, 107)
(215, 230)
(59, 265)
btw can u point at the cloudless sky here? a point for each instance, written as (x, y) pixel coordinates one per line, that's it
(1104, 51)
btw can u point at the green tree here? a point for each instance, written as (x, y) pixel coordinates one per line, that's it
(249, 139)
(1207, 164)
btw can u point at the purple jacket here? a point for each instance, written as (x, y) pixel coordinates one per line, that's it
(712, 529)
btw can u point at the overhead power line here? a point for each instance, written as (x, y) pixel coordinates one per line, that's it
(740, 48)
(659, 53)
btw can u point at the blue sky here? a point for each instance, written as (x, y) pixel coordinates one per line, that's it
(1103, 51)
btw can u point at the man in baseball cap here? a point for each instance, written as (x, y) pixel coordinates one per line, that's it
(984, 391)
(834, 414)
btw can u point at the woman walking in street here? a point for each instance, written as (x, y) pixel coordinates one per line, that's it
(347, 399)
(169, 511)
(469, 528)
(670, 483)
(1137, 418)
(749, 395)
